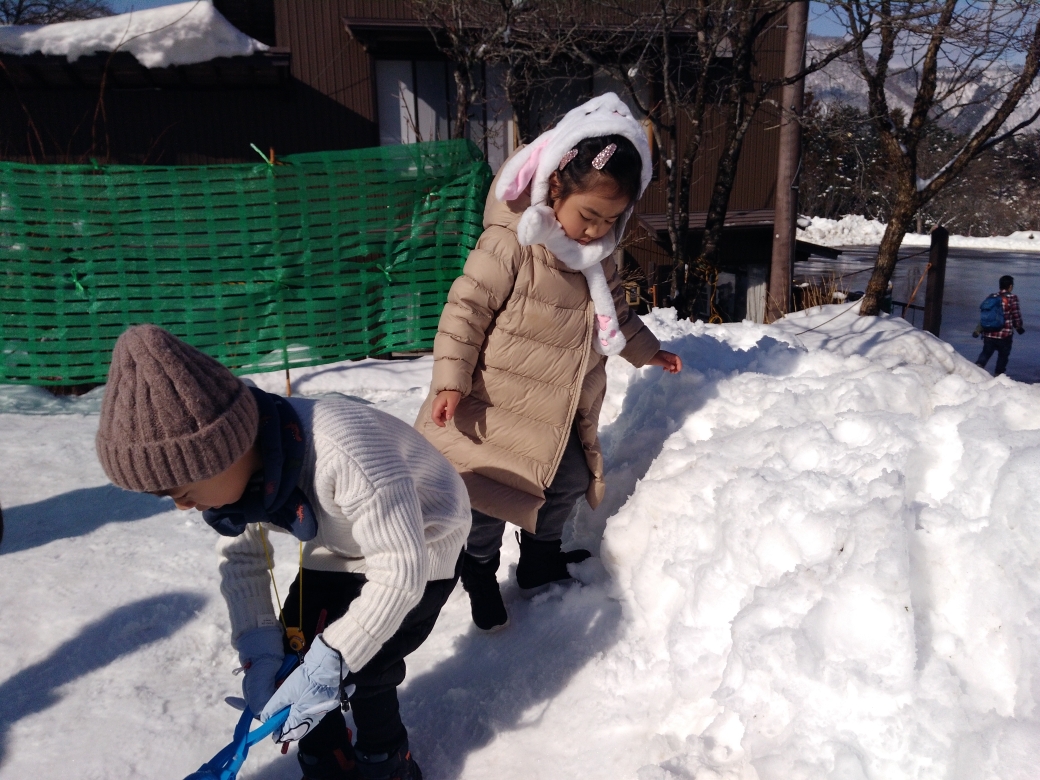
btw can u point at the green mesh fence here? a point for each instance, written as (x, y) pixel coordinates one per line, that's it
(328, 256)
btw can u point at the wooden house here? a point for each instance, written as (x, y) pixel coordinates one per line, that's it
(342, 74)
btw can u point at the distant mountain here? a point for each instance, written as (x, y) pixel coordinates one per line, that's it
(841, 82)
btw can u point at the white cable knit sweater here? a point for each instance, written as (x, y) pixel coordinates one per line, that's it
(388, 505)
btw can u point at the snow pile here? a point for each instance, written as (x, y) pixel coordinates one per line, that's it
(829, 569)
(818, 558)
(181, 34)
(847, 231)
(854, 229)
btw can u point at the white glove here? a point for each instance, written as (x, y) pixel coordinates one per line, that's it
(261, 655)
(312, 690)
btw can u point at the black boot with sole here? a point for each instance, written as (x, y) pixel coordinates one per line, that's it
(542, 563)
(481, 583)
(398, 764)
(326, 753)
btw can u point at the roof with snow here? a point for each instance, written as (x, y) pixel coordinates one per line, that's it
(182, 34)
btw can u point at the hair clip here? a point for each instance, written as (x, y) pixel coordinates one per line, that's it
(567, 158)
(601, 159)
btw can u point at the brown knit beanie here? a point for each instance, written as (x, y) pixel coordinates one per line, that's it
(171, 415)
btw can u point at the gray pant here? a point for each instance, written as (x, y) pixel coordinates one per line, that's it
(568, 486)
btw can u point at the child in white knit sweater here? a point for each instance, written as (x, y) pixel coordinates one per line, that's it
(383, 514)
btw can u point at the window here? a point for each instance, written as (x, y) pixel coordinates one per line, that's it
(416, 102)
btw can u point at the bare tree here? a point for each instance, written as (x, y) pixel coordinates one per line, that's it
(950, 47)
(475, 34)
(466, 32)
(51, 11)
(690, 68)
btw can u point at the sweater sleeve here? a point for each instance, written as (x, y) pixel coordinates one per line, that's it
(245, 583)
(641, 343)
(388, 527)
(486, 283)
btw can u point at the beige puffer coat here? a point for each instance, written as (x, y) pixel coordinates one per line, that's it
(515, 338)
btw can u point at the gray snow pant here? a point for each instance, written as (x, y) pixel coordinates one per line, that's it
(568, 486)
(1003, 349)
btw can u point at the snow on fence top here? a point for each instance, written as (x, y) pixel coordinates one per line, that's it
(181, 34)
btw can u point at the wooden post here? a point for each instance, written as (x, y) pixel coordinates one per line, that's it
(933, 296)
(786, 213)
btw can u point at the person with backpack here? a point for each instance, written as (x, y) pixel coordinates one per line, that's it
(998, 314)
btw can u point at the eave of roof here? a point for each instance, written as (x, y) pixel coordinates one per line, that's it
(121, 70)
(656, 224)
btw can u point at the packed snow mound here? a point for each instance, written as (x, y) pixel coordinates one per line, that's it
(817, 559)
(828, 568)
(856, 230)
(886, 341)
(181, 34)
(850, 230)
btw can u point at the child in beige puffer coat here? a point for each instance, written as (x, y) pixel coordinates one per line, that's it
(519, 372)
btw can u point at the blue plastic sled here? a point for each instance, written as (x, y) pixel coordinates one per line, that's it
(225, 764)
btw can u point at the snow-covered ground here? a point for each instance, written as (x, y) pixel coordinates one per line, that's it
(180, 34)
(855, 230)
(819, 557)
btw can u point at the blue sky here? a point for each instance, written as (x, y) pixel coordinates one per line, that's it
(122, 6)
(820, 24)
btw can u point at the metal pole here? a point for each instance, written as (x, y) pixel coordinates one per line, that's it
(933, 295)
(786, 213)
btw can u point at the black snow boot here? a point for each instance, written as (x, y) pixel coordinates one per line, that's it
(398, 764)
(485, 598)
(544, 562)
(332, 760)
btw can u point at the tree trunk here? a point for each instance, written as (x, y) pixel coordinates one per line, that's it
(786, 212)
(725, 177)
(888, 254)
(461, 102)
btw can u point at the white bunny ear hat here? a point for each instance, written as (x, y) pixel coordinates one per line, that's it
(603, 115)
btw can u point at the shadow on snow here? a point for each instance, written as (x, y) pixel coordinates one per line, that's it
(76, 513)
(121, 632)
(504, 682)
(657, 405)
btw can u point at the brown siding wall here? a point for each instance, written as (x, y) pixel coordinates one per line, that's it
(755, 185)
(328, 103)
(178, 126)
(753, 189)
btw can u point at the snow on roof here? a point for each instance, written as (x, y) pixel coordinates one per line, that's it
(181, 34)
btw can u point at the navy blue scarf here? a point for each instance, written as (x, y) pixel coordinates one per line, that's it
(272, 495)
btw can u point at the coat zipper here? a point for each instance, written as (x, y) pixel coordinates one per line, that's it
(577, 390)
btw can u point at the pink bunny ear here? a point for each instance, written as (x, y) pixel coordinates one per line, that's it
(513, 188)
